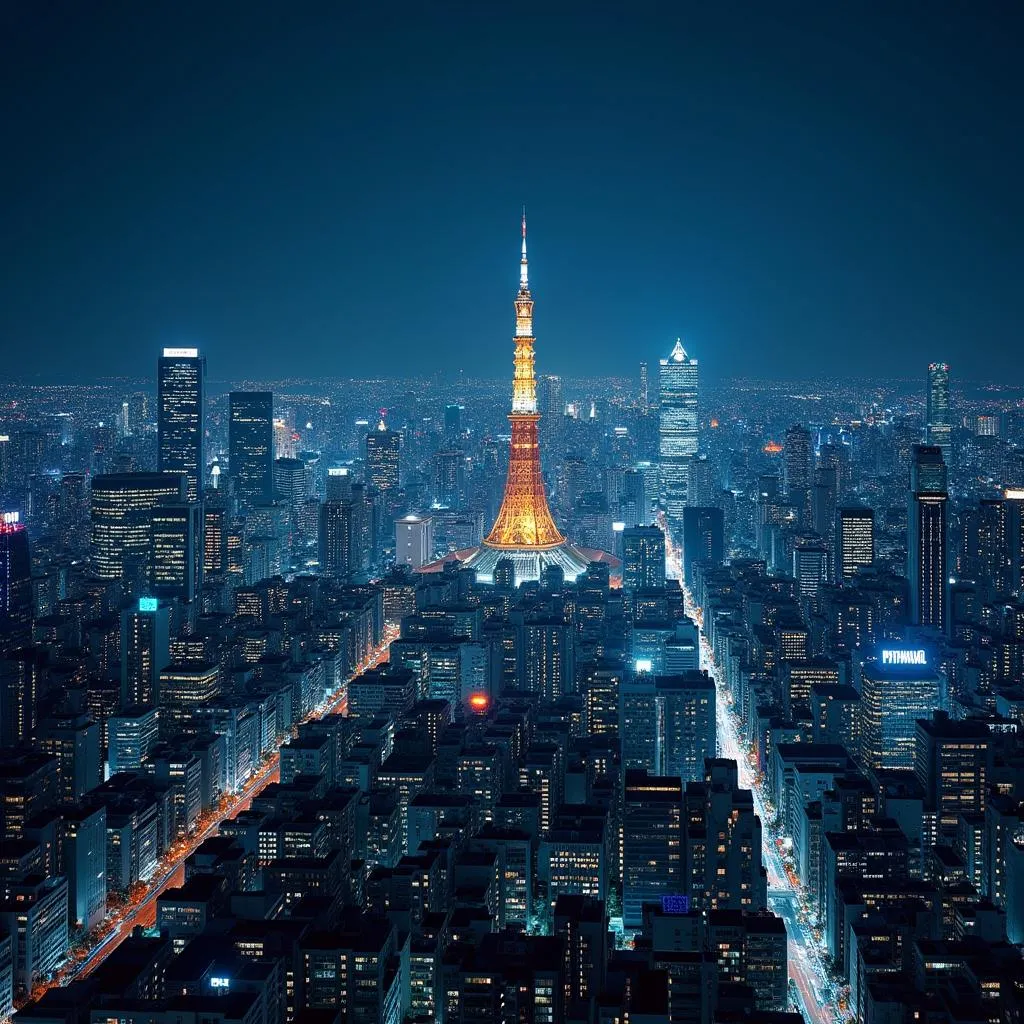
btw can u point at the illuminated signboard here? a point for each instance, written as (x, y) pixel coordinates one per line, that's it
(1011, 493)
(901, 657)
(675, 904)
(618, 527)
(220, 983)
(643, 665)
(181, 353)
(10, 518)
(148, 604)
(337, 471)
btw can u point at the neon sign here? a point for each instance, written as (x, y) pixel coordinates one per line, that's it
(10, 518)
(675, 904)
(181, 353)
(148, 604)
(896, 657)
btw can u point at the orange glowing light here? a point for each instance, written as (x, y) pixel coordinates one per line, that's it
(714, 423)
(773, 448)
(479, 702)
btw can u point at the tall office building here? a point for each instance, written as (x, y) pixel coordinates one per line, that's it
(132, 734)
(453, 421)
(652, 836)
(414, 540)
(383, 458)
(15, 583)
(687, 726)
(667, 723)
(643, 561)
(677, 429)
(449, 478)
(953, 763)
(74, 740)
(85, 863)
(179, 424)
(644, 396)
(722, 867)
(855, 541)
(145, 650)
(939, 423)
(796, 468)
(897, 687)
(182, 690)
(703, 538)
(215, 539)
(810, 561)
(341, 538)
(176, 557)
(927, 566)
(251, 445)
(122, 521)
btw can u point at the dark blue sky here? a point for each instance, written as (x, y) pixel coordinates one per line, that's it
(313, 189)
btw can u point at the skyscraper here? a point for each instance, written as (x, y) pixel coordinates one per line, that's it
(122, 521)
(383, 458)
(677, 393)
(687, 732)
(703, 538)
(452, 421)
(176, 556)
(449, 478)
(855, 541)
(15, 582)
(809, 567)
(179, 424)
(643, 562)
(345, 536)
(652, 835)
(145, 650)
(939, 424)
(897, 687)
(953, 763)
(796, 480)
(524, 531)
(251, 445)
(926, 537)
(414, 540)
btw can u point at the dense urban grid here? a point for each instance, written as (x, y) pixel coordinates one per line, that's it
(636, 700)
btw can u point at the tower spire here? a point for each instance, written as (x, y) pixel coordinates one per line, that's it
(524, 519)
(524, 283)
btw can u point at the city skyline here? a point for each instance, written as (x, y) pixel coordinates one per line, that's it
(357, 669)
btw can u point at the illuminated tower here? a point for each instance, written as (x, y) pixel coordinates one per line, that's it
(180, 416)
(926, 537)
(251, 445)
(524, 530)
(677, 429)
(939, 428)
(524, 519)
(15, 583)
(383, 458)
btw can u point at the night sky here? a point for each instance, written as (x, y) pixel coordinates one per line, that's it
(307, 189)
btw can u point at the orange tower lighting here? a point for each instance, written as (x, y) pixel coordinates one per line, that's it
(524, 520)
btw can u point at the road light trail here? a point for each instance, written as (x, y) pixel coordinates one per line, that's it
(141, 908)
(807, 970)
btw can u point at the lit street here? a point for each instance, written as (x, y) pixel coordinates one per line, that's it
(140, 911)
(807, 970)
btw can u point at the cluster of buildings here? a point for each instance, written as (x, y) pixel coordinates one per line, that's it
(718, 719)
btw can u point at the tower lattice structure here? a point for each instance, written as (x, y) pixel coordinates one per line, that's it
(524, 519)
